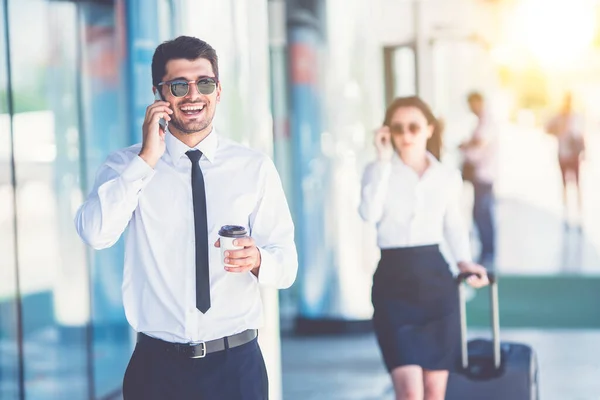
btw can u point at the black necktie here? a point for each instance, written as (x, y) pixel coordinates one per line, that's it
(201, 231)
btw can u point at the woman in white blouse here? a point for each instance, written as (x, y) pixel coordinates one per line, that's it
(415, 202)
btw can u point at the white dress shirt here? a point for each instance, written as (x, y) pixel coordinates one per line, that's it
(411, 211)
(159, 293)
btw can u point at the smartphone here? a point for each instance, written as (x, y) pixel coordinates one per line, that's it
(161, 121)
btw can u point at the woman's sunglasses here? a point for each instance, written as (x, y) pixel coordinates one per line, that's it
(180, 87)
(400, 129)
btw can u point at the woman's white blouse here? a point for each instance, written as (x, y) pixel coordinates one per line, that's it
(411, 211)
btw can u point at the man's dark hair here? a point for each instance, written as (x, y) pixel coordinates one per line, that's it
(186, 47)
(475, 96)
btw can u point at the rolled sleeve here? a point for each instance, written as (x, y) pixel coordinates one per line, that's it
(138, 173)
(105, 214)
(268, 274)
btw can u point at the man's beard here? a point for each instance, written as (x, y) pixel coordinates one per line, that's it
(197, 126)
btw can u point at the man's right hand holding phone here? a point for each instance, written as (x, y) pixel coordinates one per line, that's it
(383, 144)
(153, 141)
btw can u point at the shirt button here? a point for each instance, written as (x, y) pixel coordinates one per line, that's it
(191, 310)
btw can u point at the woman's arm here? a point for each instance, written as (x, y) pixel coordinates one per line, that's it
(375, 184)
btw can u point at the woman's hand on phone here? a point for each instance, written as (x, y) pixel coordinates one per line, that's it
(383, 144)
(153, 141)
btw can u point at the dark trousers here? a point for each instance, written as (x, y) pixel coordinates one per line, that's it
(236, 373)
(483, 217)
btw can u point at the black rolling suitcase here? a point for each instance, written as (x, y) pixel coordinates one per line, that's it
(490, 369)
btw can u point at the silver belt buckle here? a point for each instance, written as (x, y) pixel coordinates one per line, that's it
(203, 354)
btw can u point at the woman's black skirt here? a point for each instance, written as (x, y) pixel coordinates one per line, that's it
(416, 314)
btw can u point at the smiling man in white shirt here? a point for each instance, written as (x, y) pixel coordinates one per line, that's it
(196, 319)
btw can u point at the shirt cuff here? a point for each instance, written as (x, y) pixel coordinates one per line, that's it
(267, 273)
(138, 173)
(464, 258)
(462, 248)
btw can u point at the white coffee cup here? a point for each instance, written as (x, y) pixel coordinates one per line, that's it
(227, 234)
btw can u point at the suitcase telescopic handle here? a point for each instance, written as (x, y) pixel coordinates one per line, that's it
(495, 317)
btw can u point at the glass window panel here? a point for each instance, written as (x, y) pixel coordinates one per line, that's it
(165, 19)
(52, 263)
(104, 111)
(9, 351)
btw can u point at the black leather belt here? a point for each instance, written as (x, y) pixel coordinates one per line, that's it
(201, 349)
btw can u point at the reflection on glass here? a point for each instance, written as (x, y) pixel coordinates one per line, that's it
(103, 109)
(165, 18)
(52, 268)
(9, 351)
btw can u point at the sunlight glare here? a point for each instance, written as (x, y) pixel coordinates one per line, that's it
(556, 32)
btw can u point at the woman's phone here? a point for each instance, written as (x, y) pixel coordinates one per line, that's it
(161, 121)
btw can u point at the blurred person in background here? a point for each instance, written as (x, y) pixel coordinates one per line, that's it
(479, 168)
(196, 315)
(567, 126)
(415, 203)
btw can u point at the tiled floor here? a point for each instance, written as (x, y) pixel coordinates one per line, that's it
(56, 367)
(350, 368)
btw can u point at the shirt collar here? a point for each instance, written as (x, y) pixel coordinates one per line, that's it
(433, 162)
(177, 149)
